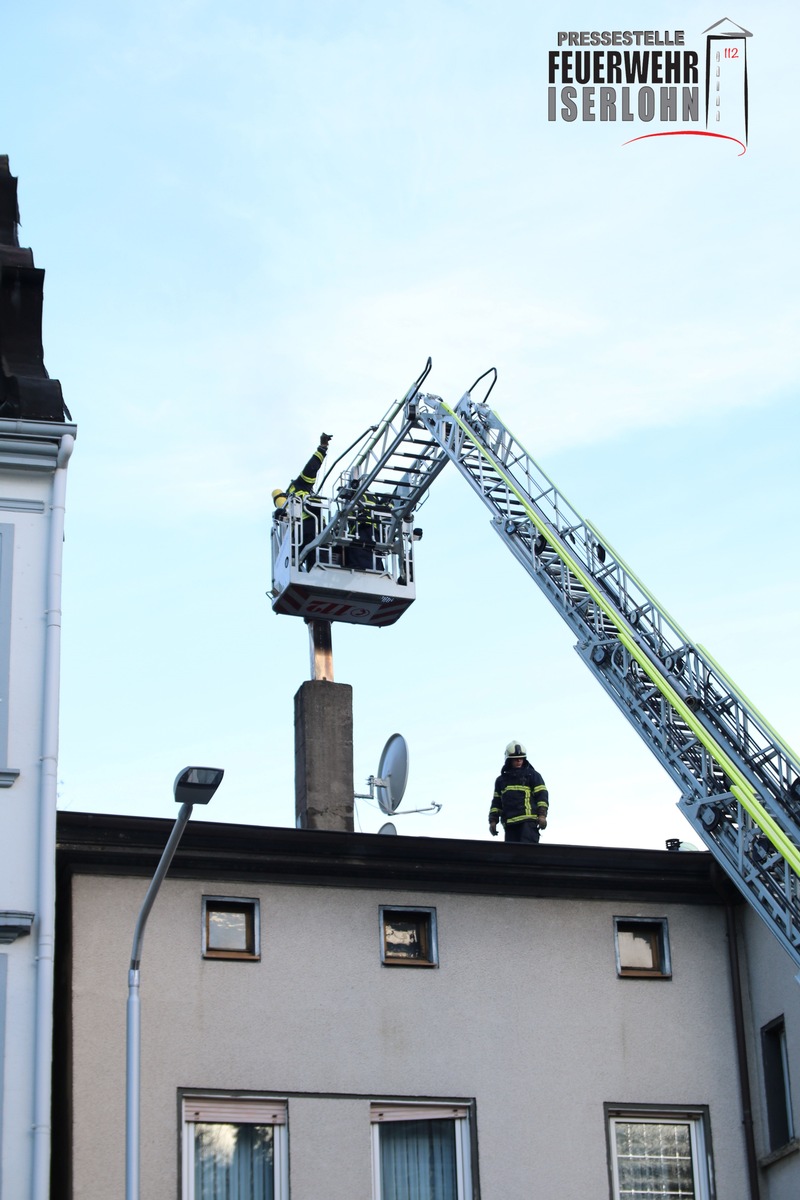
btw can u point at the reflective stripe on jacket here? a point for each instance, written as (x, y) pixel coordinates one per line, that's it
(520, 794)
(304, 483)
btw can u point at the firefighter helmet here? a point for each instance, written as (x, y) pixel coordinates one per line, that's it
(516, 750)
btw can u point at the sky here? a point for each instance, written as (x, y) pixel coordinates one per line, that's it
(257, 221)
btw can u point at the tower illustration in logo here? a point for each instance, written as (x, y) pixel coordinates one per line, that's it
(726, 79)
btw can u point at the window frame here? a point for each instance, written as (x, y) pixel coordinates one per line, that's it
(696, 1117)
(8, 774)
(777, 1084)
(249, 905)
(659, 928)
(430, 941)
(241, 1109)
(461, 1112)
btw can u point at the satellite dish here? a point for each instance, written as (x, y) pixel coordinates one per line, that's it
(392, 776)
(388, 828)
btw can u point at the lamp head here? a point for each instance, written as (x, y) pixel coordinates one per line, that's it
(196, 785)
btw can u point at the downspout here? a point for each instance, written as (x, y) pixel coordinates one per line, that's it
(741, 1052)
(48, 783)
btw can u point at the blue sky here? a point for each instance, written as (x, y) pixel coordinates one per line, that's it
(257, 221)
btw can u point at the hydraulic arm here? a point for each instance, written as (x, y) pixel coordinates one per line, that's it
(739, 782)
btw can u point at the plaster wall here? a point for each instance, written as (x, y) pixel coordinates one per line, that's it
(23, 640)
(329, 1148)
(525, 1015)
(26, 639)
(772, 991)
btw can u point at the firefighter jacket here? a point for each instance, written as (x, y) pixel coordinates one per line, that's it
(303, 485)
(364, 530)
(519, 795)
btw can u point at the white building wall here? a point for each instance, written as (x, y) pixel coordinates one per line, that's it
(525, 1014)
(26, 522)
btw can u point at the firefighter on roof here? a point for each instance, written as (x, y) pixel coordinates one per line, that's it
(520, 799)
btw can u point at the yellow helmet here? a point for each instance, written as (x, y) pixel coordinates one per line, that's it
(279, 498)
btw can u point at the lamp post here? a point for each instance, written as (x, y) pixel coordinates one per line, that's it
(194, 785)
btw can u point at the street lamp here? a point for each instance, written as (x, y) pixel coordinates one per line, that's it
(194, 785)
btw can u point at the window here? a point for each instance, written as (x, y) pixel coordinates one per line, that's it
(776, 1084)
(421, 1152)
(408, 937)
(8, 774)
(231, 928)
(234, 1149)
(642, 947)
(656, 1153)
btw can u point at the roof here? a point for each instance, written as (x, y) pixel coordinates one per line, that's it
(104, 844)
(725, 27)
(26, 390)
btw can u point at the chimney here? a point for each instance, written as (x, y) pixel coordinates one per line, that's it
(323, 756)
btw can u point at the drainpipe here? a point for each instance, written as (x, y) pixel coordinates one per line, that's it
(48, 782)
(741, 1052)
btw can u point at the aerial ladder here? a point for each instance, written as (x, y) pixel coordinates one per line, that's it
(739, 782)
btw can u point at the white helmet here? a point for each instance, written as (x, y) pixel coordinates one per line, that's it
(516, 750)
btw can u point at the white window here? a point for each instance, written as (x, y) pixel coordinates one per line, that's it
(234, 1148)
(656, 1153)
(420, 1152)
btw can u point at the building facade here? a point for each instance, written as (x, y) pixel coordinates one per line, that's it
(36, 441)
(329, 1015)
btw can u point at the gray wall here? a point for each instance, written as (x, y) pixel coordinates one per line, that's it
(525, 1014)
(772, 991)
(3, 977)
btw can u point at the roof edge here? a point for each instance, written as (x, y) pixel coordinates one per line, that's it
(108, 844)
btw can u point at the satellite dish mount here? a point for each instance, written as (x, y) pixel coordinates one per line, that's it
(390, 782)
